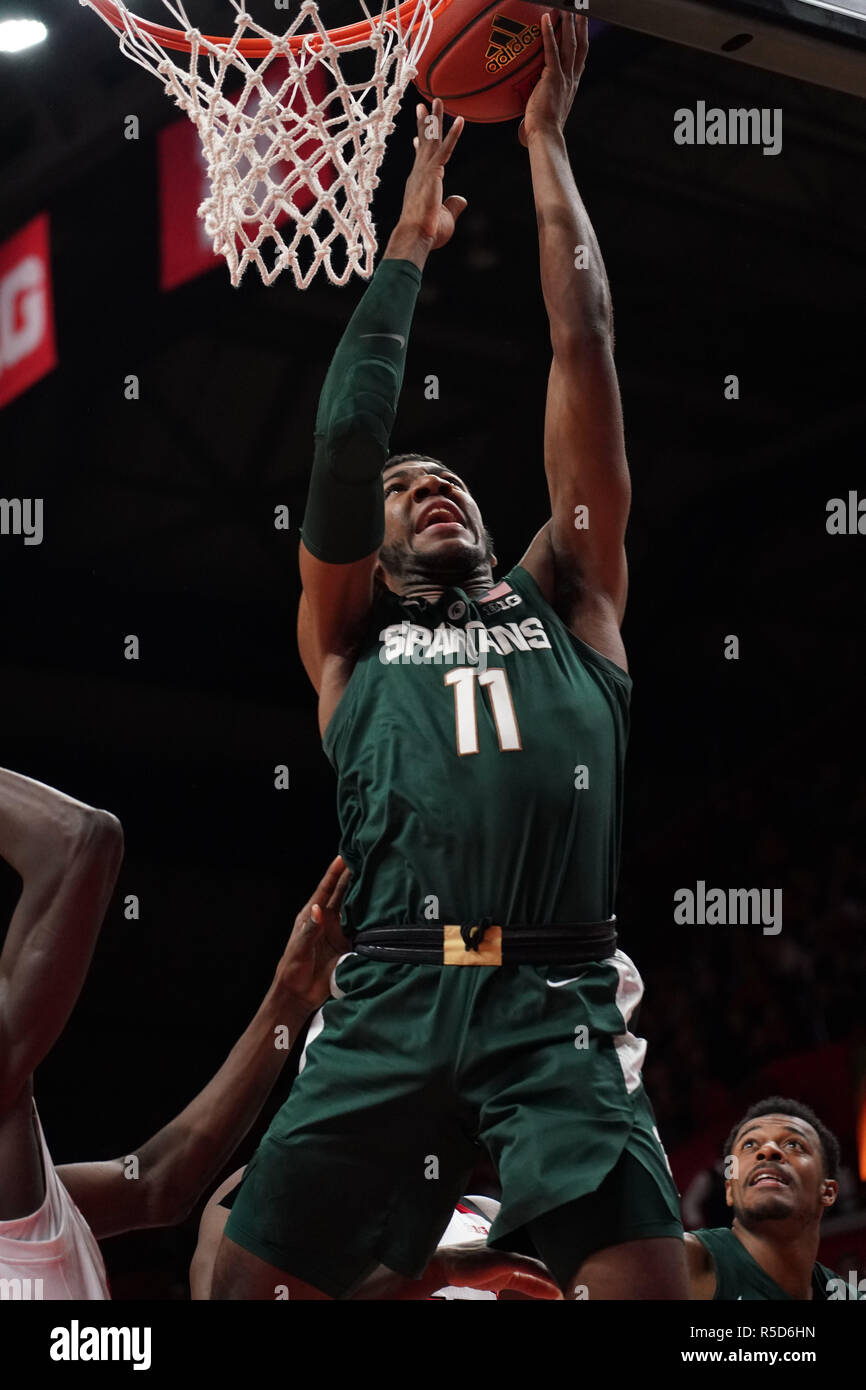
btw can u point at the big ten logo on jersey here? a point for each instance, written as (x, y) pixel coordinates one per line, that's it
(409, 643)
(26, 323)
(499, 604)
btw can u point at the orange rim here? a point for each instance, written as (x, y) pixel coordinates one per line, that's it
(176, 40)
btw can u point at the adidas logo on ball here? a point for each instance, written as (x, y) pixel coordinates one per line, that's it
(508, 39)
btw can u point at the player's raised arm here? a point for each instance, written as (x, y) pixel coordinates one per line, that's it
(175, 1167)
(344, 523)
(581, 552)
(68, 856)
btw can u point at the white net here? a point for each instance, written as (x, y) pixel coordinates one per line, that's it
(292, 147)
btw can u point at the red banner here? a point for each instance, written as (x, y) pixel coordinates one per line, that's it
(27, 347)
(185, 248)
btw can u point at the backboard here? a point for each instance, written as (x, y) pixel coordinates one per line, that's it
(814, 40)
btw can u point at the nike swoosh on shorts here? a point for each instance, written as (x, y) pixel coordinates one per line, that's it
(398, 337)
(557, 984)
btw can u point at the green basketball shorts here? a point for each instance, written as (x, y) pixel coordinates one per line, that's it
(407, 1070)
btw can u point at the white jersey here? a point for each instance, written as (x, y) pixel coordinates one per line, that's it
(469, 1230)
(51, 1254)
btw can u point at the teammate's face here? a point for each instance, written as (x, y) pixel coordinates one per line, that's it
(431, 520)
(779, 1171)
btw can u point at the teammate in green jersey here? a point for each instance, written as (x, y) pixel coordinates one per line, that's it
(478, 732)
(782, 1164)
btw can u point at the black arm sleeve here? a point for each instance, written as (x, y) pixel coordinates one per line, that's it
(345, 515)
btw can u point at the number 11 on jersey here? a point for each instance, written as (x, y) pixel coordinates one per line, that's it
(464, 680)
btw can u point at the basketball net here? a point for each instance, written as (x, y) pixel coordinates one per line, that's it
(293, 155)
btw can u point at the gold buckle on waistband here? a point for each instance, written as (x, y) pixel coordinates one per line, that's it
(454, 950)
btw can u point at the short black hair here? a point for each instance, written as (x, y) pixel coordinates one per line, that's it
(410, 458)
(783, 1105)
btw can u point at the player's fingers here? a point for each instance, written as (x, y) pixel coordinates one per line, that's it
(335, 902)
(329, 881)
(551, 52)
(488, 1269)
(429, 124)
(324, 932)
(526, 1275)
(533, 1285)
(582, 36)
(316, 927)
(568, 42)
(455, 205)
(323, 894)
(451, 140)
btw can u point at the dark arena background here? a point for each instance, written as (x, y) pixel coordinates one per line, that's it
(159, 522)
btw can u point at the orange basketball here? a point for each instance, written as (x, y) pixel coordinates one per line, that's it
(484, 59)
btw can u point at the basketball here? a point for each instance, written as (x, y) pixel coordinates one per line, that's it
(483, 60)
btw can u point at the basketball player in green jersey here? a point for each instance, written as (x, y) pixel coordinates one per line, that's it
(478, 732)
(782, 1162)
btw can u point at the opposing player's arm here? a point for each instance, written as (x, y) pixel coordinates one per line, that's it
(702, 1271)
(578, 558)
(173, 1169)
(344, 522)
(68, 856)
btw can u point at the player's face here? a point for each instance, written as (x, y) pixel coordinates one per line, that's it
(779, 1171)
(431, 519)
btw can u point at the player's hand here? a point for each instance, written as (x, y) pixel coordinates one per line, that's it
(317, 941)
(424, 209)
(493, 1271)
(555, 90)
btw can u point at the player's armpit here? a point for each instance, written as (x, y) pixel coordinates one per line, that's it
(701, 1270)
(589, 614)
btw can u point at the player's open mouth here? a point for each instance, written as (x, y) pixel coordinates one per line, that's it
(438, 514)
(767, 1177)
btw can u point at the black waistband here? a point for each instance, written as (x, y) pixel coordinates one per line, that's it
(572, 943)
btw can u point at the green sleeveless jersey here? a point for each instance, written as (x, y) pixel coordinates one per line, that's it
(739, 1277)
(479, 749)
